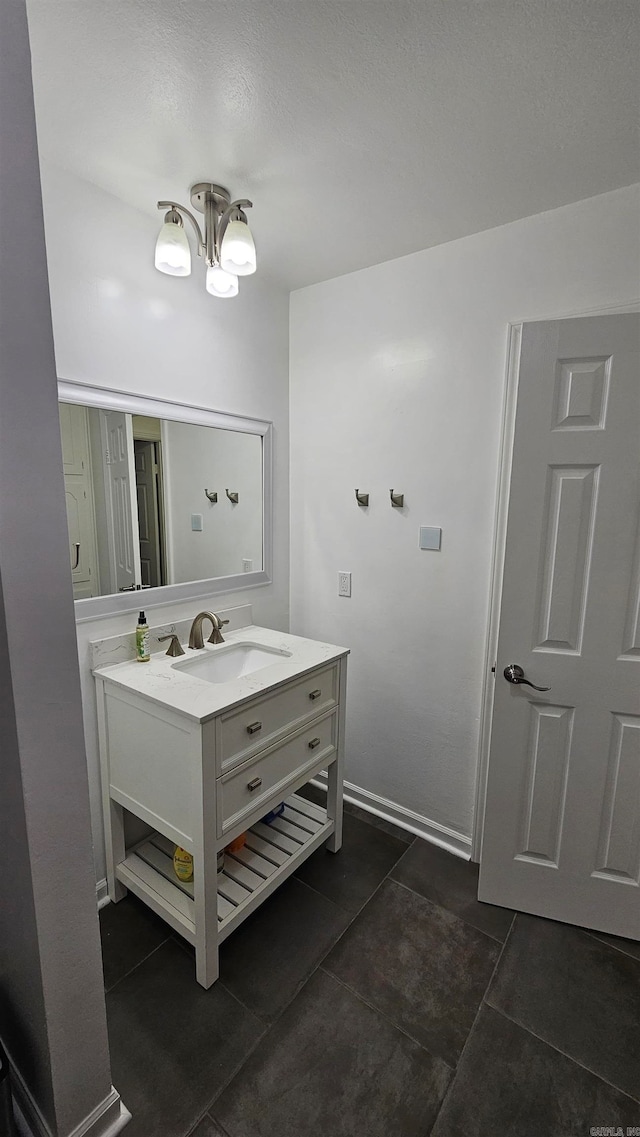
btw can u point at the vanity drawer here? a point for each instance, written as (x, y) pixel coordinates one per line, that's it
(253, 726)
(242, 789)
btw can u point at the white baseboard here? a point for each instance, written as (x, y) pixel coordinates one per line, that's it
(30, 1121)
(432, 831)
(102, 893)
(107, 1119)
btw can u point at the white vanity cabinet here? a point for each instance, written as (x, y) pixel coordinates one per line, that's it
(200, 780)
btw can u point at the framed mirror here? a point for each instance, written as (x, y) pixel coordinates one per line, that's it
(164, 501)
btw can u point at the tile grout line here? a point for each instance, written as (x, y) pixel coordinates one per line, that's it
(135, 967)
(361, 908)
(218, 1124)
(187, 949)
(473, 1024)
(206, 1115)
(236, 1070)
(614, 947)
(319, 967)
(375, 892)
(384, 1015)
(569, 1057)
(467, 923)
(303, 984)
(498, 1010)
(221, 983)
(351, 918)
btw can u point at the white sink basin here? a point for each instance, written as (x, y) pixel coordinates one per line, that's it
(230, 661)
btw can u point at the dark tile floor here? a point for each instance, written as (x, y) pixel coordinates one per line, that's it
(373, 995)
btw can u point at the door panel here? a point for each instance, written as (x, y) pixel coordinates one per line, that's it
(124, 551)
(546, 765)
(571, 498)
(619, 844)
(78, 483)
(148, 512)
(562, 823)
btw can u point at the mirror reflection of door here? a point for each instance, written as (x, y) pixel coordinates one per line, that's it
(79, 498)
(119, 480)
(147, 447)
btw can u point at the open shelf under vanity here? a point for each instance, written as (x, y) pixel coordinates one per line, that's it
(271, 853)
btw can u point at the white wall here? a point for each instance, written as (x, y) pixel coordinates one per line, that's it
(120, 324)
(397, 378)
(52, 1008)
(199, 457)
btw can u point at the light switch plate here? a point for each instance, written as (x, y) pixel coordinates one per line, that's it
(196, 523)
(430, 537)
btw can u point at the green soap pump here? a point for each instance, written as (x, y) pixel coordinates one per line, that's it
(142, 639)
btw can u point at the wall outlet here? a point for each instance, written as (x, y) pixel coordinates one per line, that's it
(247, 564)
(344, 584)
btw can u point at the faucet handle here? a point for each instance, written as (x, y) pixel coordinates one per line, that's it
(216, 635)
(174, 647)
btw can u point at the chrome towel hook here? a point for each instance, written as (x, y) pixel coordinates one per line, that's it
(211, 495)
(362, 498)
(397, 499)
(233, 497)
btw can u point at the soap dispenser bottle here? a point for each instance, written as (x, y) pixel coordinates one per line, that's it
(142, 639)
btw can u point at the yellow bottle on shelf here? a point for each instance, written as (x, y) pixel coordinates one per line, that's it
(182, 864)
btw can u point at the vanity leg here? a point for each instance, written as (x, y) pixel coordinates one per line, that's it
(115, 850)
(205, 873)
(335, 773)
(207, 968)
(206, 916)
(334, 806)
(112, 813)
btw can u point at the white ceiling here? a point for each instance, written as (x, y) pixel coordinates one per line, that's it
(361, 129)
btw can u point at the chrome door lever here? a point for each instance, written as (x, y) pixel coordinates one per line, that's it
(514, 674)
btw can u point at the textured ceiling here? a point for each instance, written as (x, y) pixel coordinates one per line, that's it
(361, 129)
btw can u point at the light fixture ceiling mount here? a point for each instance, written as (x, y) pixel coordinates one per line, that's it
(226, 245)
(220, 195)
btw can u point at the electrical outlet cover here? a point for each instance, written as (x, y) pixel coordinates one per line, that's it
(430, 537)
(344, 584)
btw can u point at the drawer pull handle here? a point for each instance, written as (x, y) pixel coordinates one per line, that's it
(254, 784)
(315, 694)
(314, 742)
(253, 727)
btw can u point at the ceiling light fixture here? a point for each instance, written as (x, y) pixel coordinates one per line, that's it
(227, 244)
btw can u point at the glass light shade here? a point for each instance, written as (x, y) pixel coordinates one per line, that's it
(221, 283)
(238, 252)
(173, 254)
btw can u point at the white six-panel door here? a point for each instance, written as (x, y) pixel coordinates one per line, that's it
(78, 482)
(562, 822)
(124, 546)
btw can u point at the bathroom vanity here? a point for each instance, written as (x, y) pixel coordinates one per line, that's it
(201, 748)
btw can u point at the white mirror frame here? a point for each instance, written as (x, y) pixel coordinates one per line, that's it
(114, 604)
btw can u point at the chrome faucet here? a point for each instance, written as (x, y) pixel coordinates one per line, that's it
(195, 635)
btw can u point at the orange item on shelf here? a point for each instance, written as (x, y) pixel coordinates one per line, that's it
(236, 844)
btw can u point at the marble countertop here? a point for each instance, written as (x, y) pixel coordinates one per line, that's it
(169, 686)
